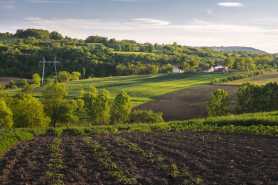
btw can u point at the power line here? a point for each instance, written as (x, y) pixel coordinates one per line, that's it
(44, 62)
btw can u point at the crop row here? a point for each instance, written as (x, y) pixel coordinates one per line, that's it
(103, 157)
(56, 165)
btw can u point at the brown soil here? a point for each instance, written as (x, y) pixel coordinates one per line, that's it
(26, 164)
(208, 158)
(217, 158)
(186, 104)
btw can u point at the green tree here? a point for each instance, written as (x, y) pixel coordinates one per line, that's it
(56, 105)
(102, 107)
(6, 115)
(29, 112)
(75, 76)
(64, 76)
(121, 108)
(90, 100)
(55, 36)
(36, 79)
(219, 103)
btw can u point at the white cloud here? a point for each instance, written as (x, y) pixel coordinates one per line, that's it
(230, 4)
(196, 33)
(151, 21)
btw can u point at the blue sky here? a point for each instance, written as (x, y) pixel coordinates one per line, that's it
(190, 22)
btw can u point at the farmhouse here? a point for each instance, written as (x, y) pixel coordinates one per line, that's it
(218, 69)
(176, 69)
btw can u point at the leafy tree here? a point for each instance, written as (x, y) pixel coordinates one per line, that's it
(75, 76)
(254, 98)
(66, 112)
(102, 107)
(90, 100)
(121, 108)
(36, 79)
(96, 39)
(64, 76)
(57, 107)
(55, 36)
(29, 112)
(219, 103)
(6, 115)
(36, 33)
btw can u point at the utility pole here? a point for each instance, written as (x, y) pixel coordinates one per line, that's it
(44, 62)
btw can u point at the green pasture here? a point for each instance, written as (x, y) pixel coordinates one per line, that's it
(143, 88)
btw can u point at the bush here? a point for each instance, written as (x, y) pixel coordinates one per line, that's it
(18, 84)
(145, 116)
(64, 76)
(121, 108)
(72, 132)
(103, 107)
(75, 76)
(219, 103)
(6, 115)
(29, 112)
(36, 79)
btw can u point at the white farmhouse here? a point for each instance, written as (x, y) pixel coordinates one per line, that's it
(218, 69)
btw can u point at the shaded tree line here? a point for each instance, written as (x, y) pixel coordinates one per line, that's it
(250, 98)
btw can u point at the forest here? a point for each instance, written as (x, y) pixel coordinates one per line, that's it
(96, 56)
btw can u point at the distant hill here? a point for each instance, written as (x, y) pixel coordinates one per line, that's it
(238, 49)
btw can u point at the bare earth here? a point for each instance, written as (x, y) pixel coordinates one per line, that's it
(6, 80)
(186, 104)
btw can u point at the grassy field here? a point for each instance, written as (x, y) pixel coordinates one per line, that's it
(144, 88)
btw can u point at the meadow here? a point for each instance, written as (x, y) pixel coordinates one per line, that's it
(144, 88)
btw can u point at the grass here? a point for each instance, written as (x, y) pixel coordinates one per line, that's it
(255, 124)
(10, 137)
(141, 88)
(144, 88)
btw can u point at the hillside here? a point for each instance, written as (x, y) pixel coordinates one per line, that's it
(98, 56)
(235, 49)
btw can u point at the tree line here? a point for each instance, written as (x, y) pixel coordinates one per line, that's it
(250, 98)
(21, 52)
(54, 107)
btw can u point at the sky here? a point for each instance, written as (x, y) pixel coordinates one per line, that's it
(251, 23)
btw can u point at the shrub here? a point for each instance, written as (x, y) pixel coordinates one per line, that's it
(18, 84)
(64, 76)
(102, 108)
(36, 79)
(219, 103)
(145, 116)
(29, 112)
(121, 108)
(72, 132)
(75, 76)
(6, 115)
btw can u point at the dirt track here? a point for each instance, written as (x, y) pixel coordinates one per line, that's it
(186, 104)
